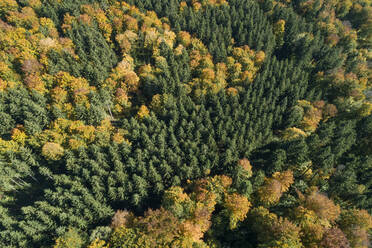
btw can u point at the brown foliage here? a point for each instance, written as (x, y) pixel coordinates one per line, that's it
(319, 104)
(130, 23)
(31, 66)
(359, 238)
(356, 217)
(334, 238)
(34, 82)
(245, 164)
(85, 19)
(284, 227)
(121, 218)
(322, 206)
(330, 110)
(333, 39)
(192, 230)
(160, 225)
(121, 96)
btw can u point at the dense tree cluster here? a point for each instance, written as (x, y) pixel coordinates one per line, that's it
(169, 123)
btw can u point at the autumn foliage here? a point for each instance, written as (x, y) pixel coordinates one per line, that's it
(195, 123)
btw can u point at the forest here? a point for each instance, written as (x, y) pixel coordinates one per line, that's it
(185, 123)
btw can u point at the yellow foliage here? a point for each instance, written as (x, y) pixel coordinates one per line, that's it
(311, 225)
(208, 74)
(365, 109)
(75, 144)
(84, 131)
(26, 18)
(183, 4)
(3, 85)
(184, 38)
(151, 35)
(279, 28)
(196, 6)
(238, 207)
(158, 101)
(293, 133)
(6, 73)
(247, 75)
(176, 194)
(68, 20)
(274, 187)
(131, 81)
(7, 5)
(118, 138)
(19, 136)
(98, 244)
(128, 237)
(104, 130)
(285, 178)
(312, 116)
(179, 49)
(232, 91)
(35, 4)
(6, 146)
(52, 151)
(260, 57)
(168, 37)
(146, 71)
(143, 112)
(195, 58)
(103, 23)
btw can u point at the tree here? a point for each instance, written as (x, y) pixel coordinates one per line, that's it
(333, 238)
(355, 223)
(52, 151)
(71, 239)
(322, 206)
(273, 231)
(274, 187)
(237, 207)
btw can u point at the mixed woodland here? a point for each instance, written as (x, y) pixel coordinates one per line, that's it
(193, 123)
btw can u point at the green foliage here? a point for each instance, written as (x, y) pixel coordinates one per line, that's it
(107, 106)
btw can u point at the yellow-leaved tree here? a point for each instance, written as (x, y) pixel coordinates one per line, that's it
(273, 188)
